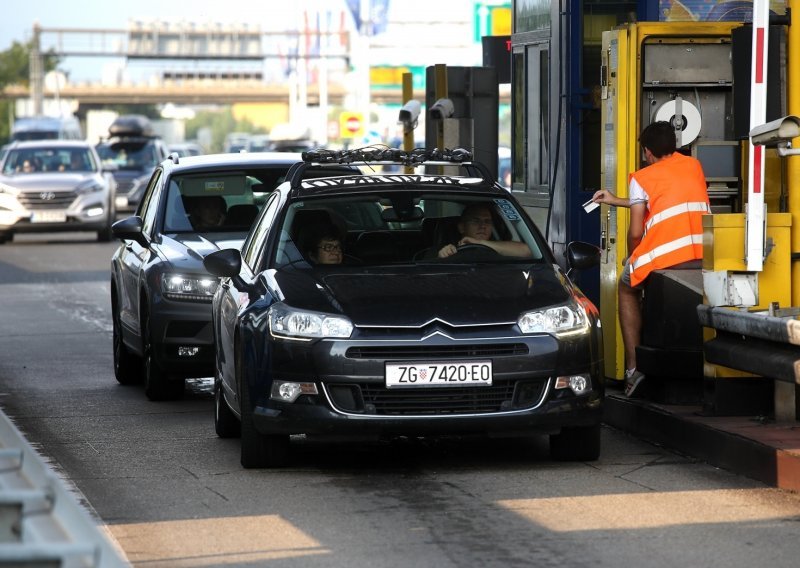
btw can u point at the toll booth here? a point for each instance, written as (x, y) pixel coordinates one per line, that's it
(678, 72)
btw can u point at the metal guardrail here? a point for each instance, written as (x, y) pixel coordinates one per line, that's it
(41, 521)
(763, 343)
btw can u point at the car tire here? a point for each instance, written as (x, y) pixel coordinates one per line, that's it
(226, 423)
(158, 385)
(259, 450)
(105, 234)
(127, 365)
(576, 443)
(5, 237)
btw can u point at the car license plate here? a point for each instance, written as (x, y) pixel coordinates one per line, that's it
(439, 374)
(48, 217)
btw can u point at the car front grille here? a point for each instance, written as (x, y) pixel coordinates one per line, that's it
(124, 187)
(47, 199)
(376, 399)
(395, 352)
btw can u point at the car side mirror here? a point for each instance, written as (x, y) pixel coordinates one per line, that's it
(130, 229)
(581, 255)
(225, 263)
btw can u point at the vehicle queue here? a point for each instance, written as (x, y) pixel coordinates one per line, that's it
(402, 336)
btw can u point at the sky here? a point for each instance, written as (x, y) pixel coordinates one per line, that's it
(17, 24)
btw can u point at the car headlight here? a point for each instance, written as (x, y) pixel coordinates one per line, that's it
(93, 186)
(8, 189)
(180, 287)
(569, 319)
(301, 324)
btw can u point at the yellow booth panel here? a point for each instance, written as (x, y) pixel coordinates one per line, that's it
(724, 246)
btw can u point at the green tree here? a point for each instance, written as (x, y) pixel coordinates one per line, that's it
(15, 70)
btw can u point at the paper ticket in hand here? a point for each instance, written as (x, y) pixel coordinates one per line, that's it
(590, 206)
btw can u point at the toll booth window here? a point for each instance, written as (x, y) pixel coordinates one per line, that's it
(530, 132)
(538, 109)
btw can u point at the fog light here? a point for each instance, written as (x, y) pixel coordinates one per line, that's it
(94, 211)
(580, 384)
(287, 391)
(188, 351)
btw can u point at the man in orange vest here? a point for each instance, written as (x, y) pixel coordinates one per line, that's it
(667, 200)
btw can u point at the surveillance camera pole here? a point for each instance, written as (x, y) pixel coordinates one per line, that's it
(408, 133)
(36, 71)
(793, 164)
(440, 92)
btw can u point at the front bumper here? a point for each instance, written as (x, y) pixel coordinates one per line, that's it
(321, 419)
(85, 214)
(353, 399)
(186, 324)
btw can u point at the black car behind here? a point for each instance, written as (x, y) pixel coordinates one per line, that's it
(160, 292)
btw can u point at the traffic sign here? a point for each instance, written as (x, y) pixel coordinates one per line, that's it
(351, 124)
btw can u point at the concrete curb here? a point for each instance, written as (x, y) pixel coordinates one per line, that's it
(768, 452)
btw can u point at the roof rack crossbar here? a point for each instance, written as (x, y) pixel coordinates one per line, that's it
(378, 155)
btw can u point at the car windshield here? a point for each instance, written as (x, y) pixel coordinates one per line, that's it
(49, 159)
(218, 201)
(138, 156)
(405, 228)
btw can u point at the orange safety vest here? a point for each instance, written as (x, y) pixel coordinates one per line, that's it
(673, 226)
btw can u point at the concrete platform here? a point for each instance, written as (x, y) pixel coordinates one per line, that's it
(751, 446)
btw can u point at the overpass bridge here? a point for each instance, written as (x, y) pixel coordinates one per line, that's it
(318, 62)
(198, 92)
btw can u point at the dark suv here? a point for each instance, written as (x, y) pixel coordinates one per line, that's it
(135, 150)
(160, 292)
(437, 308)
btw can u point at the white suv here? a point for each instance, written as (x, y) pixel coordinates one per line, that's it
(55, 185)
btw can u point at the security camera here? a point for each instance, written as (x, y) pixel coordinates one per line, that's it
(443, 108)
(409, 115)
(776, 133)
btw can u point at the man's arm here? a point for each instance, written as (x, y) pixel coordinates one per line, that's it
(506, 248)
(605, 196)
(636, 226)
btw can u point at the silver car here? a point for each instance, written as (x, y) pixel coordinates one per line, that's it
(55, 185)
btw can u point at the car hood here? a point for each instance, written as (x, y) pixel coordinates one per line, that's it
(54, 181)
(476, 295)
(186, 250)
(130, 175)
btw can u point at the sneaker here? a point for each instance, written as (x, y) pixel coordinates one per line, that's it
(633, 379)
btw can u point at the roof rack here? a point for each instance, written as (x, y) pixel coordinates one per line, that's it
(377, 155)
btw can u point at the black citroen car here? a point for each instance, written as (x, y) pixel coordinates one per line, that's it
(402, 304)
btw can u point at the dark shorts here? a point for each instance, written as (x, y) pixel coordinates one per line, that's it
(625, 277)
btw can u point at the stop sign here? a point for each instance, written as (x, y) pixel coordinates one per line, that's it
(351, 124)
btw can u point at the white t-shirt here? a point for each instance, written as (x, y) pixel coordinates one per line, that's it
(637, 194)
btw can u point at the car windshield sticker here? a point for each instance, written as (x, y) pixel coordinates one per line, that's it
(507, 209)
(215, 186)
